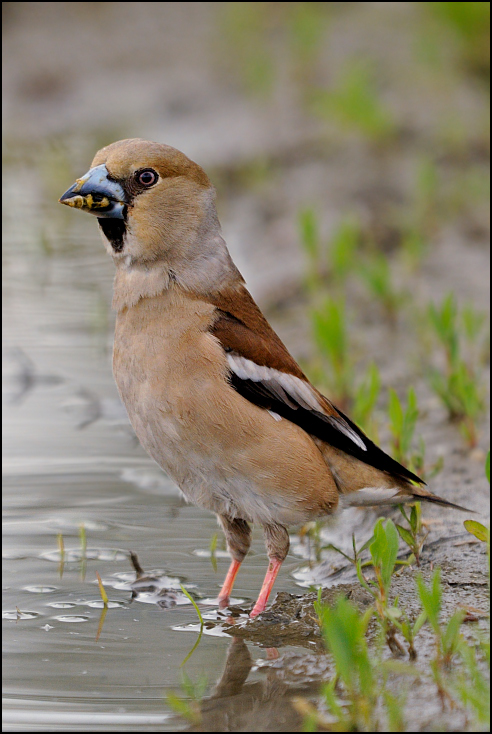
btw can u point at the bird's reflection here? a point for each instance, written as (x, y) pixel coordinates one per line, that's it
(260, 705)
(22, 376)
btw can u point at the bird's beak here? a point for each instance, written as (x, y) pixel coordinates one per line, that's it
(98, 194)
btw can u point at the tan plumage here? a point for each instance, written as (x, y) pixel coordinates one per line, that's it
(211, 391)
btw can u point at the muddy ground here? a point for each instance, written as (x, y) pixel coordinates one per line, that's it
(80, 75)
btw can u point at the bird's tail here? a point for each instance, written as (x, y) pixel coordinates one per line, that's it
(384, 496)
(362, 485)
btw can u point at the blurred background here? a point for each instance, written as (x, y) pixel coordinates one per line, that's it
(349, 145)
(343, 107)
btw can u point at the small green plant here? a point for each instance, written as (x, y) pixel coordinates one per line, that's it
(310, 240)
(358, 696)
(102, 590)
(188, 596)
(402, 424)
(376, 273)
(334, 367)
(414, 246)
(344, 630)
(445, 323)
(357, 551)
(421, 467)
(383, 549)
(462, 397)
(384, 552)
(470, 23)
(447, 637)
(458, 332)
(61, 545)
(472, 686)
(104, 610)
(188, 704)
(481, 532)
(413, 535)
(473, 322)
(331, 337)
(355, 104)
(450, 645)
(426, 197)
(335, 260)
(409, 629)
(61, 549)
(342, 250)
(83, 540)
(197, 610)
(421, 220)
(311, 531)
(365, 400)
(478, 530)
(477, 338)
(458, 384)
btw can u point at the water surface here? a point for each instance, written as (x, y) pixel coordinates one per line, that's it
(71, 461)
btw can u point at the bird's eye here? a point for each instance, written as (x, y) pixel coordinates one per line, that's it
(147, 177)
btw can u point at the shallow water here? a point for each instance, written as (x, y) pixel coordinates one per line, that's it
(72, 461)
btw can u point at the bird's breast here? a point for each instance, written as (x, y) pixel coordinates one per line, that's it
(225, 453)
(163, 367)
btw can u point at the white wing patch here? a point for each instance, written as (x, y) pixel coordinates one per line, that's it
(289, 388)
(344, 428)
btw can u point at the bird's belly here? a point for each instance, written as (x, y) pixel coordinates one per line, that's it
(232, 472)
(208, 473)
(225, 454)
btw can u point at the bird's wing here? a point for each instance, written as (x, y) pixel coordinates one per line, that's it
(263, 372)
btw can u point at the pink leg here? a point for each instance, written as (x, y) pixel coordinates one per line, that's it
(271, 575)
(225, 592)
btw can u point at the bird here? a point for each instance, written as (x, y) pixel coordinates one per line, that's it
(212, 393)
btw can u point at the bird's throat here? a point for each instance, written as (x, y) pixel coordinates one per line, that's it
(115, 232)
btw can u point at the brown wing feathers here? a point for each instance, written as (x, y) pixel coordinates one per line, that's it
(241, 327)
(252, 346)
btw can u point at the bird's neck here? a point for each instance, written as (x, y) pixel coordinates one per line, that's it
(134, 281)
(199, 264)
(202, 277)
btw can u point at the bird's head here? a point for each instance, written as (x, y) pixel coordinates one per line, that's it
(156, 210)
(154, 206)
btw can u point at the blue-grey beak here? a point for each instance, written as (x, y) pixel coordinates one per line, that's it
(97, 194)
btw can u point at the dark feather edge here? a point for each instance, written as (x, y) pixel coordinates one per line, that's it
(317, 424)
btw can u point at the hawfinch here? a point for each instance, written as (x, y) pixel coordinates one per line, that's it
(211, 391)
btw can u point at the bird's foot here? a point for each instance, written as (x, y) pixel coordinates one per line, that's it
(257, 609)
(224, 602)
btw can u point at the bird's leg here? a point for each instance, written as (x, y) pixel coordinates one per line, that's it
(225, 592)
(238, 538)
(277, 543)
